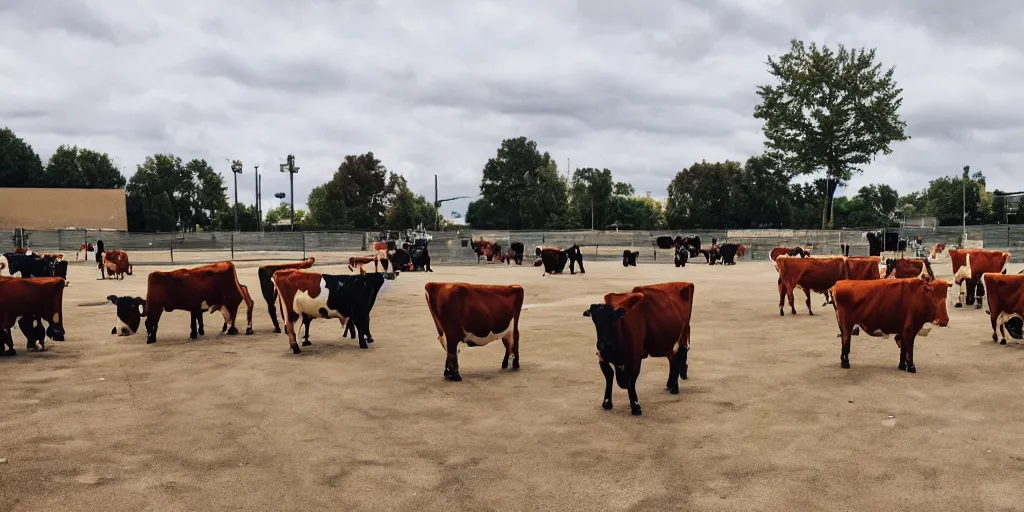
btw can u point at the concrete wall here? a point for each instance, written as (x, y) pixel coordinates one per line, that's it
(59, 208)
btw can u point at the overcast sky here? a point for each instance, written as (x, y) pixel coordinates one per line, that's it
(644, 88)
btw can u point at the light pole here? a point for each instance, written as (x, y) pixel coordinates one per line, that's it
(259, 208)
(967, 170)
(236, 169)
(290, 168)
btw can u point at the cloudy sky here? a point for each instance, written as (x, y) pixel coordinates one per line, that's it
(644, 88)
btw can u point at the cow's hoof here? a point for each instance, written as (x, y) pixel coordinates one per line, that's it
(515, 364)
(232, 331)
(845, 364)
(10, 353)
(224, 327)
(782, 313)
(150, 341)
(995, 339)
(958, 305)
(306, 343)
(793, 312)
(911, 369)
(902, 365)
(202, 332)
(504, 364)
(193, 335)
(1002, 342)
(606, 405)
(362, 344)
(674, 390)
(369, 340)
(296, 349)
(811, 313)
(248, 331)
(635, 410)
(277, 330)
(454, 377)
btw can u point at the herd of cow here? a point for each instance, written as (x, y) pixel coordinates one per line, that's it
(651, 320)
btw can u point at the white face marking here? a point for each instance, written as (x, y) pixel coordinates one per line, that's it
(481, 341)
(121, 327)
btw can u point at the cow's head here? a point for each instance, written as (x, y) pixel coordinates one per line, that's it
(129, 314)
(937, 291)
(605, 320)
(890, 267)
(741, 250)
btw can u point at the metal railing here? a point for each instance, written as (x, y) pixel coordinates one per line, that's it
(453, 247)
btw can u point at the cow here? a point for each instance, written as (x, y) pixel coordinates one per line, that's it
(34, 265)
(515, 254)
(266, 272)
(727, 253)
(212, 287)
(26, 301)
(664, 242)
(486, 249)
(629, 258)
(691, 243)
(554, 259)
(116, 264)
(682, 254)
(879, 242)
(477, 315)
(902, 268)
(794, 252)
(84, 250)
(890, 306)
(1005, 304)
(937, 250)
(307, 295)
(651, 320)
(419, 254)
(858, 268)
(968, 267)
(358, 261)
(812, 274)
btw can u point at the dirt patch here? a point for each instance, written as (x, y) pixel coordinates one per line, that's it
(767, 420)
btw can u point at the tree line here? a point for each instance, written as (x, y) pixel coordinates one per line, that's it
(826, 114)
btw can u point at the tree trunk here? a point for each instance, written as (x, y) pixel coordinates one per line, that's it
(831, 184)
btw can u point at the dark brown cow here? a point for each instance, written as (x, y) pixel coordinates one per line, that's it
(477, 315)
(968, 267)
(629, 258)
(213, 287)
(652, 320)
(29, 299)
(794, 252)
(1005, 303)
(265, 273)
(890, 306)
(554, 259)
(817, 275)
(116, 264)
(903, 268)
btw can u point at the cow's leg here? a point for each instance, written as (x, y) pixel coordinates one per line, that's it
(350, 330)
(994, 316)
(979, 294)
(961, 296)
(609, 374)
(782, 298)
(361, 320)
(290, 317)
(634, 402)
(846, 333)
(230, 314)
(152, 321)
(908, 350)
(673, 374)
(6, 342)
(507, 341)
(451, 364)
(272, 310)
(515, 345)
(194, 324)
(306, 320)
(808, 294)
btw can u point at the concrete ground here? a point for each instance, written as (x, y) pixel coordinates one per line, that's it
(767, 420)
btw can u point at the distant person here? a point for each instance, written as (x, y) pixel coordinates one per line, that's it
(919, 246)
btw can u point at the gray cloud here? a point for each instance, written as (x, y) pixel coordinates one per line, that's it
(644, 88)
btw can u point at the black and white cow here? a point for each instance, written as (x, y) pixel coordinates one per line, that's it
(32, 265)
(629, 258)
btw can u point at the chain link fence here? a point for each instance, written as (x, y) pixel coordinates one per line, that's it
(453, 247)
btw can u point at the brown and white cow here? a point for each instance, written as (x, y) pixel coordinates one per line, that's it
(890, 306)
(968, 267)
(307, 295)
(817, 275)
(116, 264)
(212, 288)
(652, 320)
(265, 273)
(26, 301)
(1005, 304)
(477, 315)
(358, 261)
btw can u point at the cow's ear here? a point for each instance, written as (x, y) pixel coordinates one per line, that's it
(139, 301)
(112, 299)
(586, 313)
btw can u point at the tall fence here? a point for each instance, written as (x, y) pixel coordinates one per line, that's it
(453, 247)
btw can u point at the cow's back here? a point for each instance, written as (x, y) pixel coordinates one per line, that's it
(479, 309)
(863, 268)
(1005, 293)
(883, 304)
(815, 274)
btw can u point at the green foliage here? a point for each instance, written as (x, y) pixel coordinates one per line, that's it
(520, 189)
(354, 198)
(759, 196)
(699, 196)
(591, 194)
(20, 166)
(247, 219)
(873, 206)
(831, 111)
(944, 199)
(165, 195)
(408, 210)
(637, 212)
(74, 167)
(283, 211)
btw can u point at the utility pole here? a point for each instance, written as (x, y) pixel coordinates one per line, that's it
(290, 168)
(256, 172)
(967, 170)
(236, 169)
(259, 182)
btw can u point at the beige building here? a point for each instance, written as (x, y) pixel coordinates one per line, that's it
(59, 208)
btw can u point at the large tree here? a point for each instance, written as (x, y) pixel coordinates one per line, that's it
(944, 198)
(521, 189)
(408, 210)
(20, 166)
(74, 167)
(699, 196)
(759, 196)
(873, 206)
(356, 197)
(591, 192)
(830, 111)
(166, 194)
